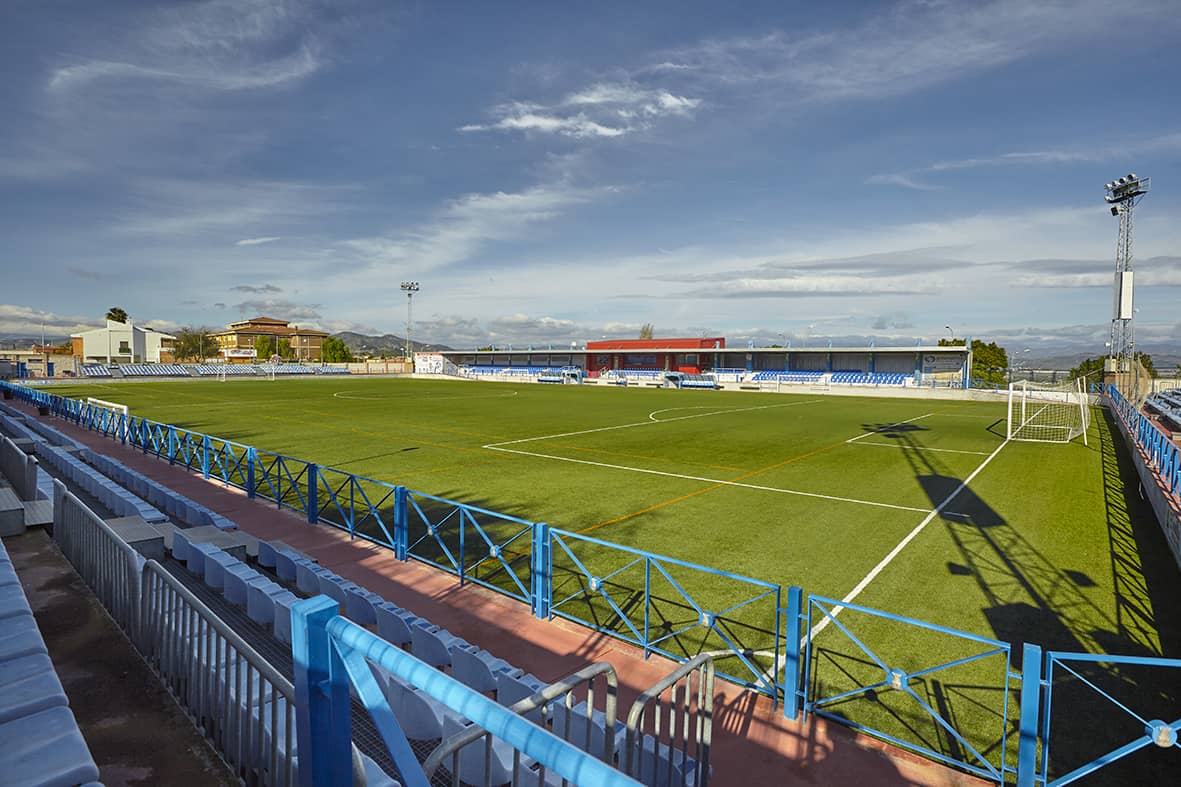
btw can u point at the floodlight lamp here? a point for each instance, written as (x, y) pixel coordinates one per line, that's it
(1114, 210)
(1132, 176)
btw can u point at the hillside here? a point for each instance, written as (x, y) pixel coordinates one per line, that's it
(389, 344)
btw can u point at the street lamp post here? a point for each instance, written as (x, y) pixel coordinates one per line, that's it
(409, 287)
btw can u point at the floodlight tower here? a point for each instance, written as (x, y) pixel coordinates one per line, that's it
(1122, 195)
(409, 287)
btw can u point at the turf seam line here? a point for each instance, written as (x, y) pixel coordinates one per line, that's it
(856, 591)
(923, 448)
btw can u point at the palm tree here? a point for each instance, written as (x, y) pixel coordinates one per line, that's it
(115, 314)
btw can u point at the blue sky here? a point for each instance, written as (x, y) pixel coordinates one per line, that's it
(557, 172)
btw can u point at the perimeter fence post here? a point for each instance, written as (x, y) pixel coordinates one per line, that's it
(1031, 693)
(791, 653)
(205, 456)
(313, 508)
(251, 459)
(171, 444)
(401, 523)
(322, 722)
(541, 570)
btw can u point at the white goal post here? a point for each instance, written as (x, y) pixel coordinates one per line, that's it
(114, 407)
(1048, 413)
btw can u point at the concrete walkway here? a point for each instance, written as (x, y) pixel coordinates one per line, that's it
(753, 744)
(136, 732)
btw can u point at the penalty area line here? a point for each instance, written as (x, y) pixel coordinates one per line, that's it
(934, 512)
(703, 479)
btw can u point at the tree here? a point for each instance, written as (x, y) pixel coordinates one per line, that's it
(115, 314)
(194, 344)
(990, 362)
(1087, 368)
(284, 349)
(646, 331)
(334, 350)
(263, 347)
(1146, 362)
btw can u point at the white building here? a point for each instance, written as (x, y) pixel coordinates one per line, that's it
(122, 342)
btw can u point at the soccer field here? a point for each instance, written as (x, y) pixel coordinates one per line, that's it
(916, 507)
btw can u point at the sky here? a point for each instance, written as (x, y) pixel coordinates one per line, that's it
(555, 172)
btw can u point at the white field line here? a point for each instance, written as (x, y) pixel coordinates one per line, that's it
(920, 448)
(649, 422)
(888, 428)
(498, 447)
(856, 591)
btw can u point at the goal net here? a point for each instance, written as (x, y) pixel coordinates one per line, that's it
(1048, 413)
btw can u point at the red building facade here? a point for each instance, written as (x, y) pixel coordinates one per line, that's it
(670, 355)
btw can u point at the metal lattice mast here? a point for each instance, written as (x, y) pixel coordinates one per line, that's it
(409, 287)
(1122, 195)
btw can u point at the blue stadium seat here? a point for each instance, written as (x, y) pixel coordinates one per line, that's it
(215, 568)
(45, 748)
(260, 601)
(433, 644)
(393, 624)
(28, 685)
(511, 689)
(237, 583)
(479, 669)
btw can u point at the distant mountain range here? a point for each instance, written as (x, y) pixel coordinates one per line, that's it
(389, 344)
(1165, 362)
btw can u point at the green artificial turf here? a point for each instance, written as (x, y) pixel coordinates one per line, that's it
(1049, 544)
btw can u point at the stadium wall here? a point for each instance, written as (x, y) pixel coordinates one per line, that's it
(1164, 504)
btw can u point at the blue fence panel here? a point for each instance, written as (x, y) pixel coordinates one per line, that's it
(1161, 451)
(880, 679)
(284, 480)
(1105, 694)
(364, 507)
(491, 549)
(226, 460)
(662, 605)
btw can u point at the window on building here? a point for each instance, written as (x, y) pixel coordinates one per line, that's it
(123, 348)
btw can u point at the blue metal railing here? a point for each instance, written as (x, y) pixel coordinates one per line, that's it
(642, 598)
(332, 653)
(881, 676)
(475, 544)
(1162, 452)
(1060, 666)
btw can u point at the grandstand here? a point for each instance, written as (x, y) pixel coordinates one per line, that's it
(1167, 404)
(207, 370)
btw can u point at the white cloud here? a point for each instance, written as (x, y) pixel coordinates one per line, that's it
(605, 109)
(469, 224)
(217, 45)
(915, 178)
(18, 319)
(279, 309)
(906, 47)
(178, 207)
(579, 126)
